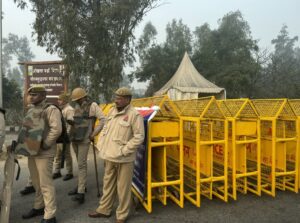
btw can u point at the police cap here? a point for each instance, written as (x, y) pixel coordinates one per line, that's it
(78, 93)
(36, 89)
(123, 91)
(64, 97)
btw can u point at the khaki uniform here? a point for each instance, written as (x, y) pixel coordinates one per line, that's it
(40, 165)
(68, 113)
(117, 144)
(81, 148)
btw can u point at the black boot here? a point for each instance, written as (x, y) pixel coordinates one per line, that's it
(68, 177)
(33, 213)
(50, 220)
(79, 198)
(74, 191)
(56, 175)
(27, 190)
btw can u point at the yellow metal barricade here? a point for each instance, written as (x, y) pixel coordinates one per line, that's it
(295, 103)
(278, 129)
(106, 107)
(243, 146)
(164, 175)
(205, 149)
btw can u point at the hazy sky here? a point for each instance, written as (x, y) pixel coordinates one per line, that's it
(265, 18)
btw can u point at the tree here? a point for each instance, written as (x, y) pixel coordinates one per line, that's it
(94, 38)
(226, 55)
(15, 75)
(14, 47)
(19, 48)
(12, 101)
(160, 61)
(205, 52)
(283, 71)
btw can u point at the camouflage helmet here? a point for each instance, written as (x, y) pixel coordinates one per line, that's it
(123, 91)
(64, 97)
(78, 93)
(36, 89)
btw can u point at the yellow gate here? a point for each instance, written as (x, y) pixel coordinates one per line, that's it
(106, 107)
(295, 103)
(243, 146)
(278, 128)
(205, 149)
(164, 178)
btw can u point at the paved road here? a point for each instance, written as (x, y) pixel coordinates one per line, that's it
(248, 208)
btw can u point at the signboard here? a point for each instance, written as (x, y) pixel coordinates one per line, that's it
(140, 165)
(50, 74)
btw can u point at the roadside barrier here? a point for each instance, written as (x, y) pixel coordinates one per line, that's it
(243, 146)
(205, 149)
(278, 129)
(295, 103)
(163, 179)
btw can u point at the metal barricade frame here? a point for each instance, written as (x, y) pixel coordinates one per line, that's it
(205, 171)
(295, 104)
(243, 146)
(162, 139)
(278, 128)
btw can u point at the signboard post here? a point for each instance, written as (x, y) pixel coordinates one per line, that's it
(51, 74)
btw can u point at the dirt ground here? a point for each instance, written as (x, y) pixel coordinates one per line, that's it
(285, 207)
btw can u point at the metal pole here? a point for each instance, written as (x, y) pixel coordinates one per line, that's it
(1, 87)
(96, 168)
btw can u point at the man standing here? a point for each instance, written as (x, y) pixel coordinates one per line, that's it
(68, 113)
(117, 144)
(82, 133)
(40, 165)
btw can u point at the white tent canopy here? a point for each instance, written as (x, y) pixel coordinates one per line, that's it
(188, 83)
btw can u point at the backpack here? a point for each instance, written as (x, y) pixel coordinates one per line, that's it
(64, 137)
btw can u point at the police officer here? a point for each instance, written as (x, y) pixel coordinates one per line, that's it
(81, 134)
(117, 144)
(40, 165)
(68, 113)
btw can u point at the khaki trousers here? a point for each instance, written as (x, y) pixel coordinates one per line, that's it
(41, 175)
(81, 150)
(116, 181)
(68, 158)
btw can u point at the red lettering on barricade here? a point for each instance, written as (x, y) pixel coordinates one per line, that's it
(249, 147)
(186, 151)
(218, 149)
(293, 157)
(265, 160)
(270, 131)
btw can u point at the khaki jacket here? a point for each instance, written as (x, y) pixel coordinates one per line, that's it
(122, 134)
(68, 114)
(53, 129)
